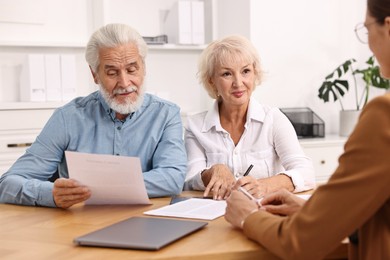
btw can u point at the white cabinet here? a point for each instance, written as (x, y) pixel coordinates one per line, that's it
(324, 153)
(19, 128)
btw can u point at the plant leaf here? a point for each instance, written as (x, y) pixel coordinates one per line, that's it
(336, 88)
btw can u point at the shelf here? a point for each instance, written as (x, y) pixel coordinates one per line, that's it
(43, 44)
(175, 47)
(30, 105)
(83, 45)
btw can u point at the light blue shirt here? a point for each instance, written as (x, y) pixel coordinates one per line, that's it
(87, 124)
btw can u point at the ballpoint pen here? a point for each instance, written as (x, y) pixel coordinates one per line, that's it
(248, 170)
(246, 193)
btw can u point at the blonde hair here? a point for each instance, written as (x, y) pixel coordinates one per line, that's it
(226, 51)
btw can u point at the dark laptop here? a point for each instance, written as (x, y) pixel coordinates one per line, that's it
(144, 233)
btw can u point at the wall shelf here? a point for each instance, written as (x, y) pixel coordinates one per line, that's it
(43, 44)
(176, 47)
(30, 105)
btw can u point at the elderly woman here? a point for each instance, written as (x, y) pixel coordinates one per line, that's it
(238, 132)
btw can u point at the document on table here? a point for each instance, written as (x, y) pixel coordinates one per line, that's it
(206, 209)
(304, 196)
(111, 179)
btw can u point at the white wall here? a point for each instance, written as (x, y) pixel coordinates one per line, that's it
(302, 41)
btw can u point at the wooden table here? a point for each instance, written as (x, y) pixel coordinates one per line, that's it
(48, 233)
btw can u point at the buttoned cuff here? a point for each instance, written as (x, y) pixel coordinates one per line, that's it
(46, 194)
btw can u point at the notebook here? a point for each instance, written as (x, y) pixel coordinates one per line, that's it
(144, 233)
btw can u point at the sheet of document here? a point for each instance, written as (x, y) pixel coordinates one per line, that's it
(304, 196)
(111, 179)
(206, 209)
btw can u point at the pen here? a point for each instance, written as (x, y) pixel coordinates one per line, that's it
(258, 201)
(246, 193)
(248, 170)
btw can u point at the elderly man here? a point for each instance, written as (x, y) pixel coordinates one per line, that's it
(119, 120)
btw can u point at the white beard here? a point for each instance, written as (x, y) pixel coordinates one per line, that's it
(126, 108)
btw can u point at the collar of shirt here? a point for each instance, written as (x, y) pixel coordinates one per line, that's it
(255, 112)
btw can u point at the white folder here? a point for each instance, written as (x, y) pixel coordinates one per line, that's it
(68, 77)
(198, 29)
(32, 80)
(53, 77)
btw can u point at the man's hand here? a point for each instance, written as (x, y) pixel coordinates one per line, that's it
(218, 179)
(67, 192)
(282, 202)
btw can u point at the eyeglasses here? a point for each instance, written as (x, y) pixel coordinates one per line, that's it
(361, 31)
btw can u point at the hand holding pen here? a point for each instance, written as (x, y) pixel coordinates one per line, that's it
(248, 185)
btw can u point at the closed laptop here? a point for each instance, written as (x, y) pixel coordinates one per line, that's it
(144, 233)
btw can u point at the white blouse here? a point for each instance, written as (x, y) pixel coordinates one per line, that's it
(269, 142)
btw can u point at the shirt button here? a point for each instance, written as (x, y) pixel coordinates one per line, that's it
(119, 128)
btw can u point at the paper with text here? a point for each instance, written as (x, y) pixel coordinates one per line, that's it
(207, 209)
(111, 179)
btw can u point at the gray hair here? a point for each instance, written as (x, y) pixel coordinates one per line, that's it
(226, 51)
(112, 35)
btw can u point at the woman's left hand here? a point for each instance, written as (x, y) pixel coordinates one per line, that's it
(257, 188)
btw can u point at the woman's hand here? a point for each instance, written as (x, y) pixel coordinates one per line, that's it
(282, 202)
(239, 207)
(259, 187)
(218, 179)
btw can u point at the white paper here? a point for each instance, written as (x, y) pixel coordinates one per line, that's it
(207, 209)
(111, 179)
(304, 196)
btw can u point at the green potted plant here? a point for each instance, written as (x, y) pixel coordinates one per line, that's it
(336, 85)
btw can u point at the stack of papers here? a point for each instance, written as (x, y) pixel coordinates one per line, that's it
(206, 209)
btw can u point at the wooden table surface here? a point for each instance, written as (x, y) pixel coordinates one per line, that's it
(47, 233)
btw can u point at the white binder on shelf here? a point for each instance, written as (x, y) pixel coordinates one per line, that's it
(178, 24)
(197, 20)
(68, 77)
(53, 77)
(32, 80)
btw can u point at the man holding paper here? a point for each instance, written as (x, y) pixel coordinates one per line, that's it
(119, 119)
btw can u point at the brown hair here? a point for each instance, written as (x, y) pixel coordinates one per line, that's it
(379, 9)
